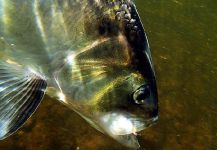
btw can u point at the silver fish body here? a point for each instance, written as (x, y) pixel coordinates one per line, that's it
(93, 55)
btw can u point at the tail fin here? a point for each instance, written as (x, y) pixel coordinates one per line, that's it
(21, 91)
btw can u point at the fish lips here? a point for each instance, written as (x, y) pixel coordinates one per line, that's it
(122, 123)
(124, 127)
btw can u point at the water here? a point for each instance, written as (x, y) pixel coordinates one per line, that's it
(183, 39)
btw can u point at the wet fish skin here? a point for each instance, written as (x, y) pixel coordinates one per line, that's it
(94, 56)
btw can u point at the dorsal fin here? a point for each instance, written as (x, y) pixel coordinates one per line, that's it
(21, 91)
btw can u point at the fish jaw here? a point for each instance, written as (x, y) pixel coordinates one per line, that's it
(124, 127)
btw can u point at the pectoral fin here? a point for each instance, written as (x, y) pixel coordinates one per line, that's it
(21, 91)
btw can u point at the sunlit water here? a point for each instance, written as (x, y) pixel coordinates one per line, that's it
(183, 39)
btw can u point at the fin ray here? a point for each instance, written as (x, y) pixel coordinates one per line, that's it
(21, 91)
(9, 91)
(17, 100)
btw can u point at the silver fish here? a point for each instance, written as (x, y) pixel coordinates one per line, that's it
(93, 55)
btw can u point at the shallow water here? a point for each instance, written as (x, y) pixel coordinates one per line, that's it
(183, 39)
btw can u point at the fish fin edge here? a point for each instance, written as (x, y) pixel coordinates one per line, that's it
(21, 91)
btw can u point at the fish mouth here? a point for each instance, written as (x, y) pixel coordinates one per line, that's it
(124, 128)
(146, 123)
(122, 124)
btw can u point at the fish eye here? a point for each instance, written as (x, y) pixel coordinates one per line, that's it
(141, 94)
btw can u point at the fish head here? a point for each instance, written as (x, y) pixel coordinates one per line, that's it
(129, 102)
(111, 79)
(129, 107)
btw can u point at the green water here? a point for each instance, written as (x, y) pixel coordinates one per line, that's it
(183, 39)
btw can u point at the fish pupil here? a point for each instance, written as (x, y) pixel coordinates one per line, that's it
(140, 95)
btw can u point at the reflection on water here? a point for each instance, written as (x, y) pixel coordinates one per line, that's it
(183, 38)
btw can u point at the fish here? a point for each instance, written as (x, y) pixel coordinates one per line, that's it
(91, 55)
